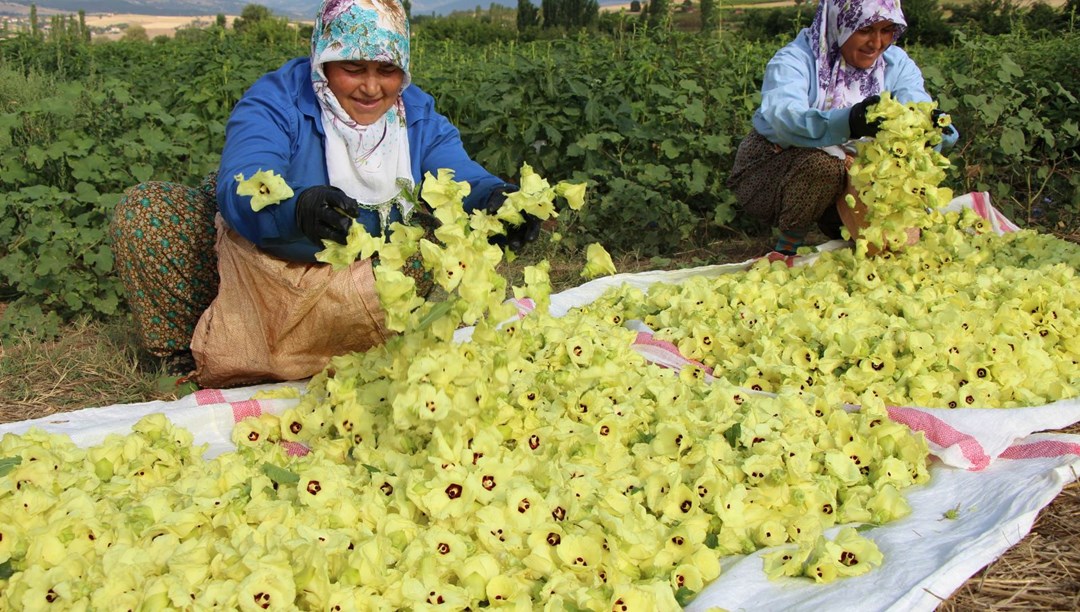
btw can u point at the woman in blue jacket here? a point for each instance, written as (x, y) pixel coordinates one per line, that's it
(789, 171)
(349, 134)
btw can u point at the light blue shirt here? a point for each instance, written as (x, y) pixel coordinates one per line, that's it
(788, 116)
(277, 125)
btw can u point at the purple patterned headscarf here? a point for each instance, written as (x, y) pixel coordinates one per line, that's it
(841, 85)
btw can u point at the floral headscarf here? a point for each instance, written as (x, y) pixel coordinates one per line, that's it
(369, 162)
(841, 85)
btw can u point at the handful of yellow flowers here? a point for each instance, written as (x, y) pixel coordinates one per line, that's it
(894, 178)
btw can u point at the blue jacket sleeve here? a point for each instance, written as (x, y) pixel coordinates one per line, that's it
(786, 116)
(435, 143)
(260, 135)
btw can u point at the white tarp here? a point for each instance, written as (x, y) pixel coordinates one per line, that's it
(989, 468)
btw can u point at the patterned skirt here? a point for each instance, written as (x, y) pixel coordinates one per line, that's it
(791, 189)
(163, 242)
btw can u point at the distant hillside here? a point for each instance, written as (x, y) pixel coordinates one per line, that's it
(293, 9)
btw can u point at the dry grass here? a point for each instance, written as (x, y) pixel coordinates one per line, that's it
(96, 364)
(1042, 572)
(92, 364)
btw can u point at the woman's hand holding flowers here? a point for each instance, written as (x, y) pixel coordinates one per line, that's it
(516, 235)
(325, 212)
(857, 123)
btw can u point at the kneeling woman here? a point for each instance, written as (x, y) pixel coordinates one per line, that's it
(789, 170)
(352, 138)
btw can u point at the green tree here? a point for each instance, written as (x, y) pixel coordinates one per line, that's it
(221, 22)
(659, 13)
(34, 31)
(710, 16)
(635, 6)
(250, 15)
(528, 16)
(84, 32)
(925, 23)
(135, 33)
(569, 14)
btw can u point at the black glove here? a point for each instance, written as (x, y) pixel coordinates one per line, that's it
(516, 236)
(857, 124)
(935, 115)
(325, 213)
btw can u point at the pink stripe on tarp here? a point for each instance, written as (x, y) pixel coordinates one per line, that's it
(1004, 223)
(524, 306)
(942, 434)
(978, 204)
(647, 339)
(1042, 448)
(789, 260)
(204, 397)
(295, 449)
(244, 409)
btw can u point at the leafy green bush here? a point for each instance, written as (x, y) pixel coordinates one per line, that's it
(1014, 100)
(651, 119)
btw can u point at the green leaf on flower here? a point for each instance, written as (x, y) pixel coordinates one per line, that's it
(436, 312)
(6, 570)
(8, 463)
(684, 596)
(731, 434)
(280, 475)
(712, 540)
(371, 468)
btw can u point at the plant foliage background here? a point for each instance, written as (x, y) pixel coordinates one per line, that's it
(650, 113)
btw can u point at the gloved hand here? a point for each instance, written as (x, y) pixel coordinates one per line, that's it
(857, 125)
(949, 135)
(936, 116)
(325, 212)
(516, 236)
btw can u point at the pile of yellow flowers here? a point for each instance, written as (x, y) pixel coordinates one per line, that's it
(898, 172)
(962, 319)
(538, 463)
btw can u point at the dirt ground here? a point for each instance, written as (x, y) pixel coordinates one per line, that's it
(155, 25)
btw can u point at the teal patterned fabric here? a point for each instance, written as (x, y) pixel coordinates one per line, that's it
(373, 30)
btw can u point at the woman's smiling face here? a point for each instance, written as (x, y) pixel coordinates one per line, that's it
(365, 89)
(866, 45)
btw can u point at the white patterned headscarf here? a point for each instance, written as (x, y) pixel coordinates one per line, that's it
(841, 85)
(368, 162)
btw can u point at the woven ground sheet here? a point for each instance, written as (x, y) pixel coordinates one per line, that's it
(989, 467)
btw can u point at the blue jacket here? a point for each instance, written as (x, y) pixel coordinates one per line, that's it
(277, 126)
(787, 115)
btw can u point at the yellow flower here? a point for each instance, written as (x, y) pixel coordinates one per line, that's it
(599, 262)
(268, 587)
(443, 190)
(359, 244)
(265, 188)
(573, 192)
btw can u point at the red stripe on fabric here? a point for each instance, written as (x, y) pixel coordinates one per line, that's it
(204, 397)
(942, 434)
(647, 339)
(295, 449)
(1005, 223)
(242, 410)
(1042, 448)
(978, 204)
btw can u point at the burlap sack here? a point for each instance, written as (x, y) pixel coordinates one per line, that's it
(855, 218)
(278, 320)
